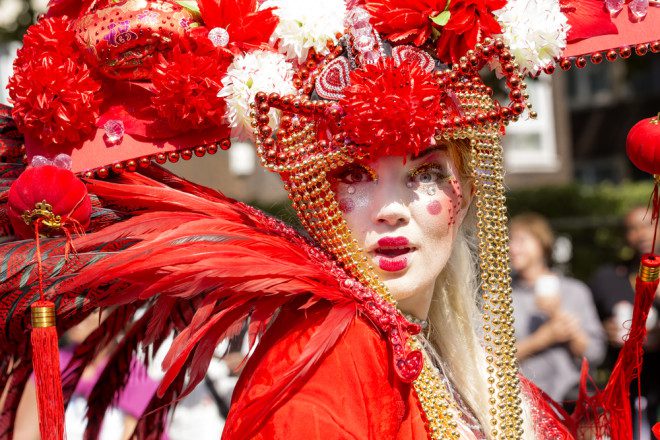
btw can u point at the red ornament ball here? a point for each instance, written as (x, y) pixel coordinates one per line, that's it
(643, 145)
(52, 195)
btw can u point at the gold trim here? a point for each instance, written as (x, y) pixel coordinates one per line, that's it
(43, 317)
(649, 273)
(43, 210)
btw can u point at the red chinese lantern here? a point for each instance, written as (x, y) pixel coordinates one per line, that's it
(47, 200)
(51, 195)
(643, 145)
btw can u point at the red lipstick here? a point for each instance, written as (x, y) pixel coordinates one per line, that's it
(393, 242)
(392, 253)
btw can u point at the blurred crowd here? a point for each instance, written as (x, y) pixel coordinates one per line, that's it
(559, 321)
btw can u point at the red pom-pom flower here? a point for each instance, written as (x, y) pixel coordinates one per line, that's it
(186, 85)
(458, 25)
(56, 99)
(391, 109)
(470, 22)
(51, 195)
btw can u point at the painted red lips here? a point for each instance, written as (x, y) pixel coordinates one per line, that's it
(392, 253)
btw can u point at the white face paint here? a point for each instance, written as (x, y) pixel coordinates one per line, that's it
(405, 216)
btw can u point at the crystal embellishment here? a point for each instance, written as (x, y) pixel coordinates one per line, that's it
(219, 37)
(114, 131)
(614, 6)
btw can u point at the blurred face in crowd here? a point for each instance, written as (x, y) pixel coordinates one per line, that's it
(405, 216)
(526, 251)
(639, 230)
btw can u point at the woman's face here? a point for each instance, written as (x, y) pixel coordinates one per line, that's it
(405, 216)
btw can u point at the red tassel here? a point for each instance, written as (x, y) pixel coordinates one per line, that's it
(46, 360)
(46, 365)
(609, 411)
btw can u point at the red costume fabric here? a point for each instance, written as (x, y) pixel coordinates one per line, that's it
(354, 392)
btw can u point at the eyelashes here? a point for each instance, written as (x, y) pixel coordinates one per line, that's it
(427, 173)
(354, 173)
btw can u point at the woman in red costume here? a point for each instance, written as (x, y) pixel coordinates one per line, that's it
(370, 328)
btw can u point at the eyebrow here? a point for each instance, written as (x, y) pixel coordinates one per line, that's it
(429, 151)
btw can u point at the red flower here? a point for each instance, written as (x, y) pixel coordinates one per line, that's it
(390, 109)
(403, 21)
(247, 27)
(186, 86)
(56, 99)
(470, 22)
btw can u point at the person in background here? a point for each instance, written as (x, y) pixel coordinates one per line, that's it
(556, 323)
(614, 293)
(119, 421)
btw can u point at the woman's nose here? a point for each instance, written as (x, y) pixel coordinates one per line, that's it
(394, 213)
(389, 205)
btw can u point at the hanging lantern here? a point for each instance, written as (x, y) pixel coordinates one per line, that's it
(643, 145)
(47, 200)
(53, 196)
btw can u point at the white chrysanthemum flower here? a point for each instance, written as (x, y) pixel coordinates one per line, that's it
(534, 30)
(306, 24)
(258, 71)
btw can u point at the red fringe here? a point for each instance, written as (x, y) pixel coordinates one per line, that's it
(609, 411)
(46, 364)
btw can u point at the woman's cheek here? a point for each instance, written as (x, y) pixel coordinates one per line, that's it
(456, 200)
(434, 208)
(347, 205)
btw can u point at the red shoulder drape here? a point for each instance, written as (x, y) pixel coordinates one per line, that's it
(352, 394)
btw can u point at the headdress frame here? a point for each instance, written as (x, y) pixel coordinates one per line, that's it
(310, 143)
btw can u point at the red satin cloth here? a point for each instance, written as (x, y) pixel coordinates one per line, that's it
(354, 393)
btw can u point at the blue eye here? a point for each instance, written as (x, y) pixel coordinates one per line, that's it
(428, 173)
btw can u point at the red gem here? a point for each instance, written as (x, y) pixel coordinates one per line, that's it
(131, 166)
(212, 149)
(549, 69)
(225, 144)
(597, 58)
(625, 52)
(161, 158)
(186, 154)
(102, 173)
(200, 151)
(581, 62)
(173, 157)
(611, 55)
(565, 64)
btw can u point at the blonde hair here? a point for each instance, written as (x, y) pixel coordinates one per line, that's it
(455, 306)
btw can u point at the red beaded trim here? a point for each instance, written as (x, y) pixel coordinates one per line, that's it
(610, 55)
(133, 165)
